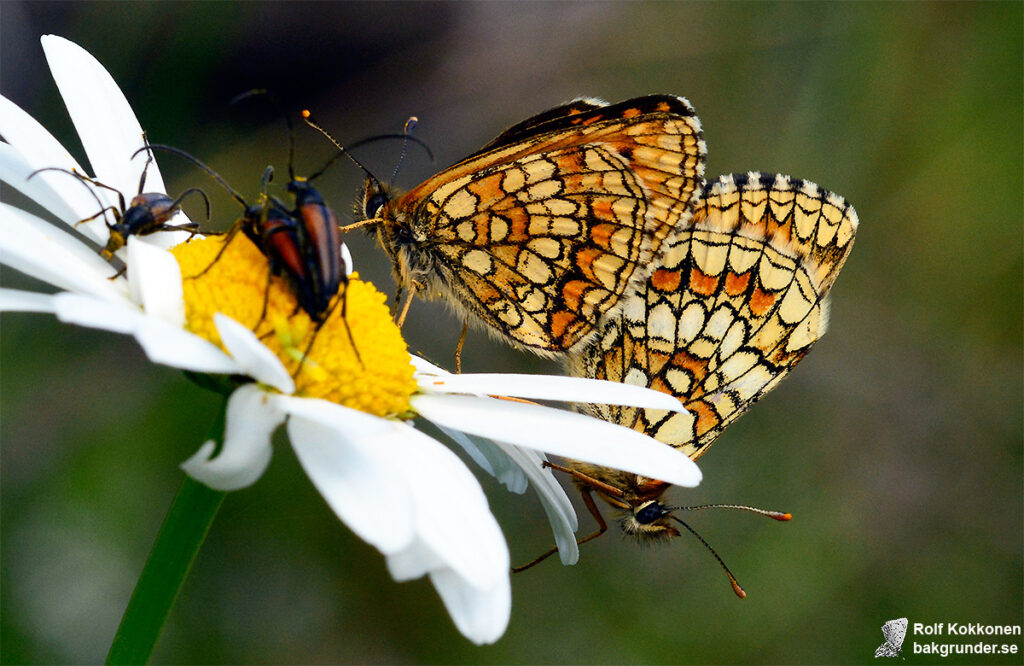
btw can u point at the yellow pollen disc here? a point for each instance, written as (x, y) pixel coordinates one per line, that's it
(378, 381)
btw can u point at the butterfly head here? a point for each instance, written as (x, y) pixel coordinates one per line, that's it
(647, 521)
(642, 515)
(394, 227)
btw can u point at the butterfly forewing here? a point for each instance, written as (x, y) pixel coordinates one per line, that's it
(737, 298)
(541, 235)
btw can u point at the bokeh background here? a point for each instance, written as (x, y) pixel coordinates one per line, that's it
(896, 444)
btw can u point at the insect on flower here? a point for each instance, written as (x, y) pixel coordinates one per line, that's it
(147, 212)
(301, 243)
(539, 233)
(737, 299)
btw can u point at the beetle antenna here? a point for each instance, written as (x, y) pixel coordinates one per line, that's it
(263, 92)
(83, 180)
(213, 174)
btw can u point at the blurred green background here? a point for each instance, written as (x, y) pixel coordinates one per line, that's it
(896, 445)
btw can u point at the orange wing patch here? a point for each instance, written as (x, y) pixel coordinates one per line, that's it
(756, 263)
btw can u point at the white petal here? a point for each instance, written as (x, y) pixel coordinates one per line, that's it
(556, 504)
(347, 455)
(15, 171)
(40, 150)
(562, 433)
(453, 519)
(92, 312)
(15, 300)
(177, 348)
(481, 615)
(163, 343)
(424, 366)
(414, 561)
(252, 416)
(346, 260)
(105, 122)
(255, 359)
(40, 231)
(39, 249)
(550, 387)
(492, 459)
(155, 279)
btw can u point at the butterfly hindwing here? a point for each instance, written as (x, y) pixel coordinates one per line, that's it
(737, 298)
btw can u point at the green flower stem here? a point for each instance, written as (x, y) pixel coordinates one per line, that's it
(170, 560)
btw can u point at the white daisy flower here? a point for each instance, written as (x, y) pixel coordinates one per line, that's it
(346, 412)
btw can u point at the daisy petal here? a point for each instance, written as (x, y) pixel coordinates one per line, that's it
(562, 433)
(255, 359)
(480, 615)
(15, 171)
(92, 312)
(40, 150)
(155, 279)
(163, 343)
(492, 459)
(415, 560)
(347, 455)
(554, 501)
(568, 389)
(452, 516)
(251, 420)
(175, 347)
(346, 260)
(105, 122)
(43, 251)
(15, 300)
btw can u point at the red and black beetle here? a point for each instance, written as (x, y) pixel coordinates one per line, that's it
(302, 243)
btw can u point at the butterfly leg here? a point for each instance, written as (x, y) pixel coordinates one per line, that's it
(413, 286)
(460, 345)
(588, 500)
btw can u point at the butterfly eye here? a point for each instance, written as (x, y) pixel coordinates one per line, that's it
(374, 204)
(649, 513)
(404, 234)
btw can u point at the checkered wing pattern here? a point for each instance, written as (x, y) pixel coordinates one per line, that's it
(736, 300)
(540, 234)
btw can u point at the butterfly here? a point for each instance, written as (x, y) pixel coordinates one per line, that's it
(895, 632)
(735, 300)
(540, 233)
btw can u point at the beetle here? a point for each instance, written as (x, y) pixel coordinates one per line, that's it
(146, 213)
(301, 243)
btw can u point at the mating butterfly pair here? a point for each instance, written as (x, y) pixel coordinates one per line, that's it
(589, 232)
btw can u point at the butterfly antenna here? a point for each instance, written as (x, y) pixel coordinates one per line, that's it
(409, 138)
(777, 515)
(307, 116)
(406, 131)
(732, 579)
(263, 92)
(213, 174)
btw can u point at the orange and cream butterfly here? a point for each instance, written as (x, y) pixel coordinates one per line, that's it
(540, 233)
(737, 298)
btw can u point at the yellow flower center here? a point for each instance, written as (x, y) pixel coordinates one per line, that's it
(378, 380)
